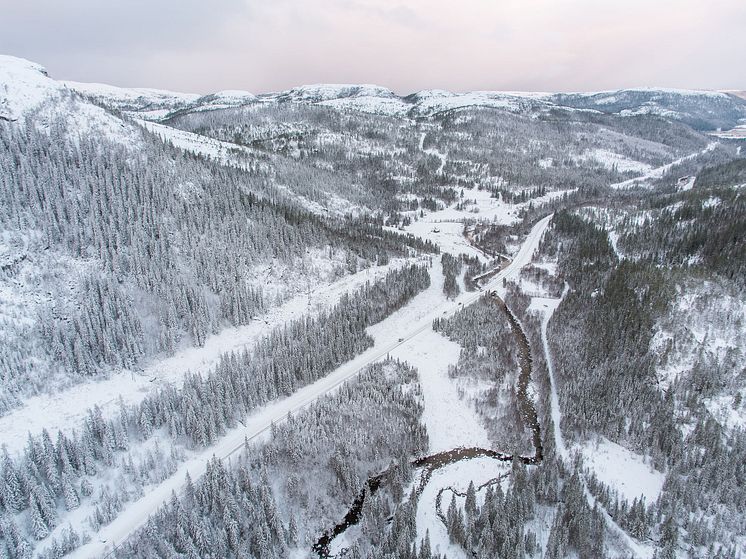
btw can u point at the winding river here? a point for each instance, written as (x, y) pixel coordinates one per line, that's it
(433, 462)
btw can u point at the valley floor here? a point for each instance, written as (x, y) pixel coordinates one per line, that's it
(410, 325)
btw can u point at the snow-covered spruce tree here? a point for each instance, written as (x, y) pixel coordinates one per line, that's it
(235, 510)
(200, 412)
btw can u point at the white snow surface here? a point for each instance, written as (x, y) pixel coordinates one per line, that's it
(405, 324)
(457, 476)
(24, 85)
(610, 96)
(622, 470)
(446, 227)
(610, 160)
(546, 308)
(432, 151)
(385, 106)
(433, 102)
(450, 421)
(330, 91)
(738, 133)
(66, 410)
(26, 90)
(132, 97)
(241, 157)
(226, 153)
(705, 324)
(226, 99)
(658, 172)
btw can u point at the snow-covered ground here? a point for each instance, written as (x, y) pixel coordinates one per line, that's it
(658, 172)
(456, 476)
(546, 307)
(27, 91)
(737, 133)
(446, 227)
(622, 470)
(705, 320)
(724, 410)
(125, 98)
(611, 160)
(705, 326)
(450, 421)
(66, 410)
(621, 539)
(24, 85)
(226, 153)
(392, 332)
(242, 157)
(434, 152)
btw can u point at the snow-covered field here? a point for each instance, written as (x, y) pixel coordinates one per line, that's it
(450, 421)
(66, 410)
(658, 172)
(611, 160)
(389, 334)
(446, 227)
(622, 470)
(456, 476)
(737, 133)
(25, 86)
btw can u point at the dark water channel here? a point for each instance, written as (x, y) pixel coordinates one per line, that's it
(433, 462)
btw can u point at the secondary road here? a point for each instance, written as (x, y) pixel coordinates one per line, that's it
(259, 423)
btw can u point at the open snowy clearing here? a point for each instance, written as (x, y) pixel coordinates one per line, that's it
(622, 470)
(66, 410)
(610, 160)
(446, 227)
(390, 333)
(659, 172)
(451, 422)
(737, 133)
(456, 476)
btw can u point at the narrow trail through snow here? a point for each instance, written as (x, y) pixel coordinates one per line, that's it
(434, 152)
(390, 333)
(439, 397)
(658, 172)
(640, 551)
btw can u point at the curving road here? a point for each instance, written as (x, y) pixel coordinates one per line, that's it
(259, 423)
(433, 462)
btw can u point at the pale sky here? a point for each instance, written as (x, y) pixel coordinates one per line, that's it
(269, 45)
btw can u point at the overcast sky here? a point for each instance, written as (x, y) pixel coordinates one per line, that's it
(268, 45)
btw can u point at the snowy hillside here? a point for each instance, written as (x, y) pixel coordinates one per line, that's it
(339, 321)
(705, 110)
(132, 99)
(24, 86)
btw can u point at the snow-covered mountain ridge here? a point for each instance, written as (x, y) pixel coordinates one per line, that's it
(24, 84)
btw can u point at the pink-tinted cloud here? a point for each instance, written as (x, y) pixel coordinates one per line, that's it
(264, 45)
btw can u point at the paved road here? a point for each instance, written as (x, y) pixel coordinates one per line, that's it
(259, 423)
